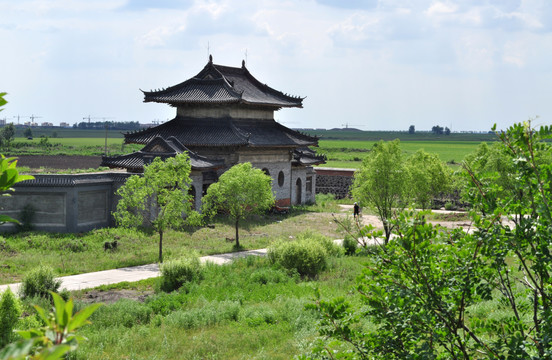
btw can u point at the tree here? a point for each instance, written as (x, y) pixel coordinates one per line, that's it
(447, 131)
(381, 183)
(428, 177)
(411, 129)
(428, 293)
(437, 130)
(7, 135)
(159, 198)
(239, 192)
(28, 132)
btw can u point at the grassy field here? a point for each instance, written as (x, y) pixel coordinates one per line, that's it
(79, 253)
(247, 310)
(349, 154)
(357, 135)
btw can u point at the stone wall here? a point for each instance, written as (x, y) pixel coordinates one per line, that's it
(65, 203)
(334, 181)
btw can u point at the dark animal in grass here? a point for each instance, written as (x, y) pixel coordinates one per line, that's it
(110, 245)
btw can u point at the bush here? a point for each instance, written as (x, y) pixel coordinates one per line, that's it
(177, 272)
(350, 245)
(10, 310)
(306, 256)
(332, 249)
(38, 282)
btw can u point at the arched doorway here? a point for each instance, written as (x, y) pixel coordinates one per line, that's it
(298, 191)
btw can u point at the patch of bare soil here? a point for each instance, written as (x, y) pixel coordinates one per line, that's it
(111, 296)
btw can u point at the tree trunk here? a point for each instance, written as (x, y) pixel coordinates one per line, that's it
(237, 235)
(160, 246)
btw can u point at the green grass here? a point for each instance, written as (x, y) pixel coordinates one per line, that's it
(72, 254)
(225, 316)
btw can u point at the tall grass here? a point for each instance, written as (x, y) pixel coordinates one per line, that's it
(226, 316)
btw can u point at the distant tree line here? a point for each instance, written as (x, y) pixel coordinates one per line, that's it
(98, 125)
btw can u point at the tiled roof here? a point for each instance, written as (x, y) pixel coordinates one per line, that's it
(193, 132)
(308, 157)
(159, 147)
(217, 84)
(226, 131)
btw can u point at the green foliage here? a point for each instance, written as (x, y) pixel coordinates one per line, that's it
(306, 256)
(239, 192)
(125, 313)
(428, 177)
(159, 198)
(210, 313)
(10, 311)
(437, 294)
(7, 135)
(350, 245)
(2, 100)
(56, 339)
(177, 272)
(28, 132)
(9, 175)
(39, 282)
(381, 183)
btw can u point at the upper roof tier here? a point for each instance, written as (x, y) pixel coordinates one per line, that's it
(217, 84)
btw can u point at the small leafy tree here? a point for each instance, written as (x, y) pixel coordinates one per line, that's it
(7, 135)
(10, 310)
(382, 182)
(159, 198)
(239, 192)
(428, 177)
(28, 132)
(411, 129)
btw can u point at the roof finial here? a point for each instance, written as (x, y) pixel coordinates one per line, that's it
(243, 64)
(210, 58)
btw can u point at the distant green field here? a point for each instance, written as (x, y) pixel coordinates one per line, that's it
(349, 154)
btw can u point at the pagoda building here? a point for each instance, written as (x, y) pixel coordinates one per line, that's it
(224, 116)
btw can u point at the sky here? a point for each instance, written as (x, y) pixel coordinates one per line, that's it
(368, 64)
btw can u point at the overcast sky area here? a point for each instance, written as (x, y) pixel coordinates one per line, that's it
(371, 64)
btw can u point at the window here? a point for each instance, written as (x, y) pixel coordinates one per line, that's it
(281, 178)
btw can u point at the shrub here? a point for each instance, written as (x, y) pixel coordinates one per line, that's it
(350, 245)
(38, 282)
(10, 310)
(177, 272)
(306, 256)
(331, 248)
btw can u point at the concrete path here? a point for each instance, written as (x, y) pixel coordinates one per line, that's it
(131, 274)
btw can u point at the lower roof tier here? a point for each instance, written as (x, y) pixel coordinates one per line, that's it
(226, 131)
